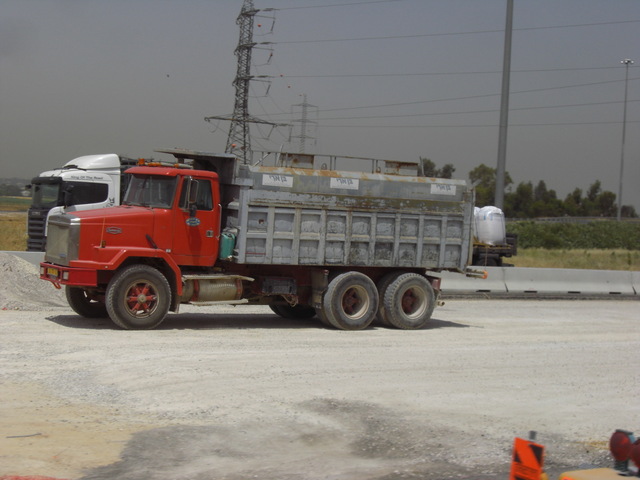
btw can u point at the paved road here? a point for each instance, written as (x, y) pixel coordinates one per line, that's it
(243, 394)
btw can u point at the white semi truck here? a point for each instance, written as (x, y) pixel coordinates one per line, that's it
(84, 183)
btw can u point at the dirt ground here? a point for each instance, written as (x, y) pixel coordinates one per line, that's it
(237, 393)
(42, 432)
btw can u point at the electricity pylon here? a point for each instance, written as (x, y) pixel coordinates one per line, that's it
(239, 138)
(304, 122)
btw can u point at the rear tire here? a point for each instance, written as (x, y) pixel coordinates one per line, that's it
(383, 285)
(83, 304)
(350, 302)
(138, 297)
(408, 302)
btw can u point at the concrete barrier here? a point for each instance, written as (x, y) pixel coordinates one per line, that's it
(543, 281)
(635, 282)
(458, 283)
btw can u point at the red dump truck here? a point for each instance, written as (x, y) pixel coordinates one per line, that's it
(289, 231)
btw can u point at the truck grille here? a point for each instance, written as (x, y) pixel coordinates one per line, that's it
(62, 239)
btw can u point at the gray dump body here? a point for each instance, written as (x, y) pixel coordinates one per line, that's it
(299, 212)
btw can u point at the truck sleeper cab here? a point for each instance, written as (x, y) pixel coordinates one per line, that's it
(89, 182)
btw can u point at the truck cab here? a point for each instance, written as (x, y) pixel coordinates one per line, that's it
(186, 207)
(88, 182)
(166, 212)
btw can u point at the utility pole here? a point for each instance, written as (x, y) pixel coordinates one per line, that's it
(504, 109)
(239, 138)
(626, 62)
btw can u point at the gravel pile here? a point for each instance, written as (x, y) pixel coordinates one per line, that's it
(22, 289)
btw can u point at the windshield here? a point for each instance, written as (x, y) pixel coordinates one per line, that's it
(45, 195)
(53, 192)
(150, 191)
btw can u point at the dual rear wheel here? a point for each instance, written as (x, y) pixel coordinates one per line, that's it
(401, 300)
(407, 301)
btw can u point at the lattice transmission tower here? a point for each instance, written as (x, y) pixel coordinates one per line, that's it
(239, 138)
(306, 124)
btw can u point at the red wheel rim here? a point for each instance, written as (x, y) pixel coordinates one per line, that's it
(141, 299)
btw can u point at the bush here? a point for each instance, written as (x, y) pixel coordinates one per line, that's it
(606, 234)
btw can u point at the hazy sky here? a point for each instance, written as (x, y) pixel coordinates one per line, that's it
(394, 79)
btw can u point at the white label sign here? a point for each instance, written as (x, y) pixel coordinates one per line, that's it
(273, 180)
(440, 189)
(345, 183)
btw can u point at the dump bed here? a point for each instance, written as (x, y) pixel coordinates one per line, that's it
(299, 212)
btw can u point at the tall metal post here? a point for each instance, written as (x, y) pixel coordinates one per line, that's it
(504, 109)
(238, 141)
(626, 62)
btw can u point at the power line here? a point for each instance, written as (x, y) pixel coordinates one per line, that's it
(485, 72)
(482, 125)
(470, 97)
(493, 110)
(338, 4)
(444, 34)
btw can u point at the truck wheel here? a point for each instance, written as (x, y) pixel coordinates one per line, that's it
(299, 312)
(351, 301)
(323, 318)
(408, 302)
(83, 304)
(138, 297)
(383, 285)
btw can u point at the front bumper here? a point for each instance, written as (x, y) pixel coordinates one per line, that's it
(61, 275)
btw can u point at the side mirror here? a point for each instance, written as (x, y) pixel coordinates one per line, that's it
(193, 192)
(191, 188)
(67, 196)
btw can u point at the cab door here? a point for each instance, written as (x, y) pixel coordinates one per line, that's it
(196, 232)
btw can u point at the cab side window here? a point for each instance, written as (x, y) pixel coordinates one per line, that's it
(203, 198)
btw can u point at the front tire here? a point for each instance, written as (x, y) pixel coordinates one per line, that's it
(350, 302)
(83, 304)
(138, 298)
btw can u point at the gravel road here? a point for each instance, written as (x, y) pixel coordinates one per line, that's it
(238, 393)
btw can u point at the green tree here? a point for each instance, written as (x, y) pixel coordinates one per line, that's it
(545, 202)
(606, 204)
(484, 179)
(528, 201)
(573, 205)
(628, 211)
(447, 171)
(430, 169)
(519, 204)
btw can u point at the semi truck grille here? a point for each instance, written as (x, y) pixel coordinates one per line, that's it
(35, 231)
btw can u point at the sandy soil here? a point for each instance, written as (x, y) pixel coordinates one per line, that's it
(237, 393)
